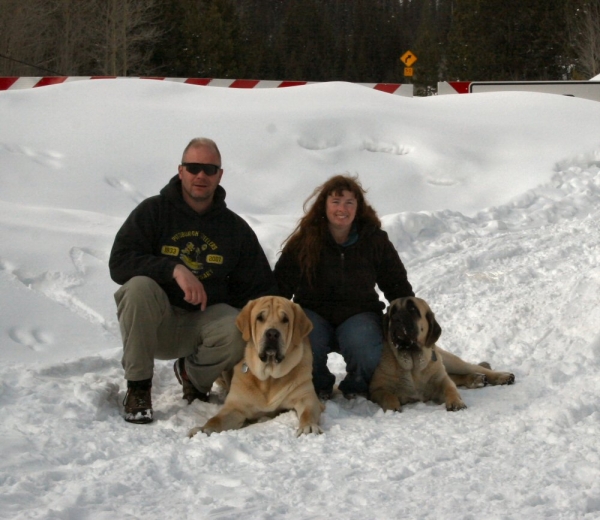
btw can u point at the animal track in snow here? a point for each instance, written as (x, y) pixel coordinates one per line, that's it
(326, 143)
(58, 287)
(391, 148)
(84, 257)
(55, 286)
(47, 158)
(315, 144)
(441, 181)
(36, 339)
(5, 265)
(127, 188)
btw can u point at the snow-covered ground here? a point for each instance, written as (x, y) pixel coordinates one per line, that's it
(493, 202)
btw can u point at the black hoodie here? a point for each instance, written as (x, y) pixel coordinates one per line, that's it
(218, 246)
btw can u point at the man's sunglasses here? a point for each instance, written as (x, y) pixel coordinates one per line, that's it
(195, 168)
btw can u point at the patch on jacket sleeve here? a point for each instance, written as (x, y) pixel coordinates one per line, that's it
(214, 259)
(170, 250)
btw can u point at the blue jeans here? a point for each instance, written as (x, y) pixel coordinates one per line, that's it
(359, 340)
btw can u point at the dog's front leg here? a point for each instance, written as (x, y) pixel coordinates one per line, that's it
(225, 420)
(451, 396)
(309, 414)
(385, 398)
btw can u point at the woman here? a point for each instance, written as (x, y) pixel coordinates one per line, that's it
(330, 265)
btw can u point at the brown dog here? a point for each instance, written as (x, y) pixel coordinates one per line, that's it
(276, 372)
(413, 368)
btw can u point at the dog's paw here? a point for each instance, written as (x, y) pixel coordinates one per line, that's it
(455, 406)
(507, 379)
(476, 381)
(392, 409)
(502, 378)
(387, 400)
(194, 431)
(308, 428)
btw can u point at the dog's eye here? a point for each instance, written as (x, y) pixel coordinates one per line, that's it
(260, 318)
(413, 309)
(285, 319)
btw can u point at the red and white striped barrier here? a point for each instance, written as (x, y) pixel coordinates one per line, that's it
(21, 82)
(453, 87)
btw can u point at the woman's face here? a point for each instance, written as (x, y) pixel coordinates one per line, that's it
(341, 210)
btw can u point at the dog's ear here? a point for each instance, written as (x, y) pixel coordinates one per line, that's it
(434, 332)
(302, 325)
(243, 320)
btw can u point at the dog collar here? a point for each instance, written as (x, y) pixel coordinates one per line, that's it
(433, 356)
(244, 368)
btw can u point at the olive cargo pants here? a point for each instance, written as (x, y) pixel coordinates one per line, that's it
(151, 328)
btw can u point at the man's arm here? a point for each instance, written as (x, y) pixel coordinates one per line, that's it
(192, 288)
(134, 249)
(252, 277)
(287, 275)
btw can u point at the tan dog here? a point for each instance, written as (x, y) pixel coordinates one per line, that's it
(413, 368)
(276, 372)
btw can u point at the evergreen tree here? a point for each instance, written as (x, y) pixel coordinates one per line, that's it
(507, 40)
(428, 49)
(202, 39)
(167, 56)
(304, 42)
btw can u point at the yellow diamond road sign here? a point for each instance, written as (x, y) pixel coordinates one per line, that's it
(408, 58)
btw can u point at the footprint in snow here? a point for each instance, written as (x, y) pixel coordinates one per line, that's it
(126, 188)
(315, 144)
(391, 148)
(47, 158)
(36, 339)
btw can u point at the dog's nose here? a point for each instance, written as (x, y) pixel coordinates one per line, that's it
(271, 346)
(272, 335)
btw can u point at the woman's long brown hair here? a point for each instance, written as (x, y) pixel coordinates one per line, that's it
(306, 241)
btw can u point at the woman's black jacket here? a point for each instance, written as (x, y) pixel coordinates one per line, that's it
(346, 276)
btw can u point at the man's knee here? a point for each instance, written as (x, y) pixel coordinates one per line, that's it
(138, 288)
(141, 296)
(220, 330)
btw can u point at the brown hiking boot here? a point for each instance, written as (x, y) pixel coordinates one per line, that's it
(190, 392)
(138, 402)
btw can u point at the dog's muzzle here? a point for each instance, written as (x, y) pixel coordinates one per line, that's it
(270, 351)
(403, 332)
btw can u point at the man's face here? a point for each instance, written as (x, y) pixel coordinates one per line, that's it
(198, 190)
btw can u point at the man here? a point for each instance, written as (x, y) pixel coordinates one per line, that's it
(186, 264)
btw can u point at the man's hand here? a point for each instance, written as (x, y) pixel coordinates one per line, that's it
(192, 288)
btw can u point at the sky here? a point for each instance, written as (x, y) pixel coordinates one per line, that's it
(492, 201)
